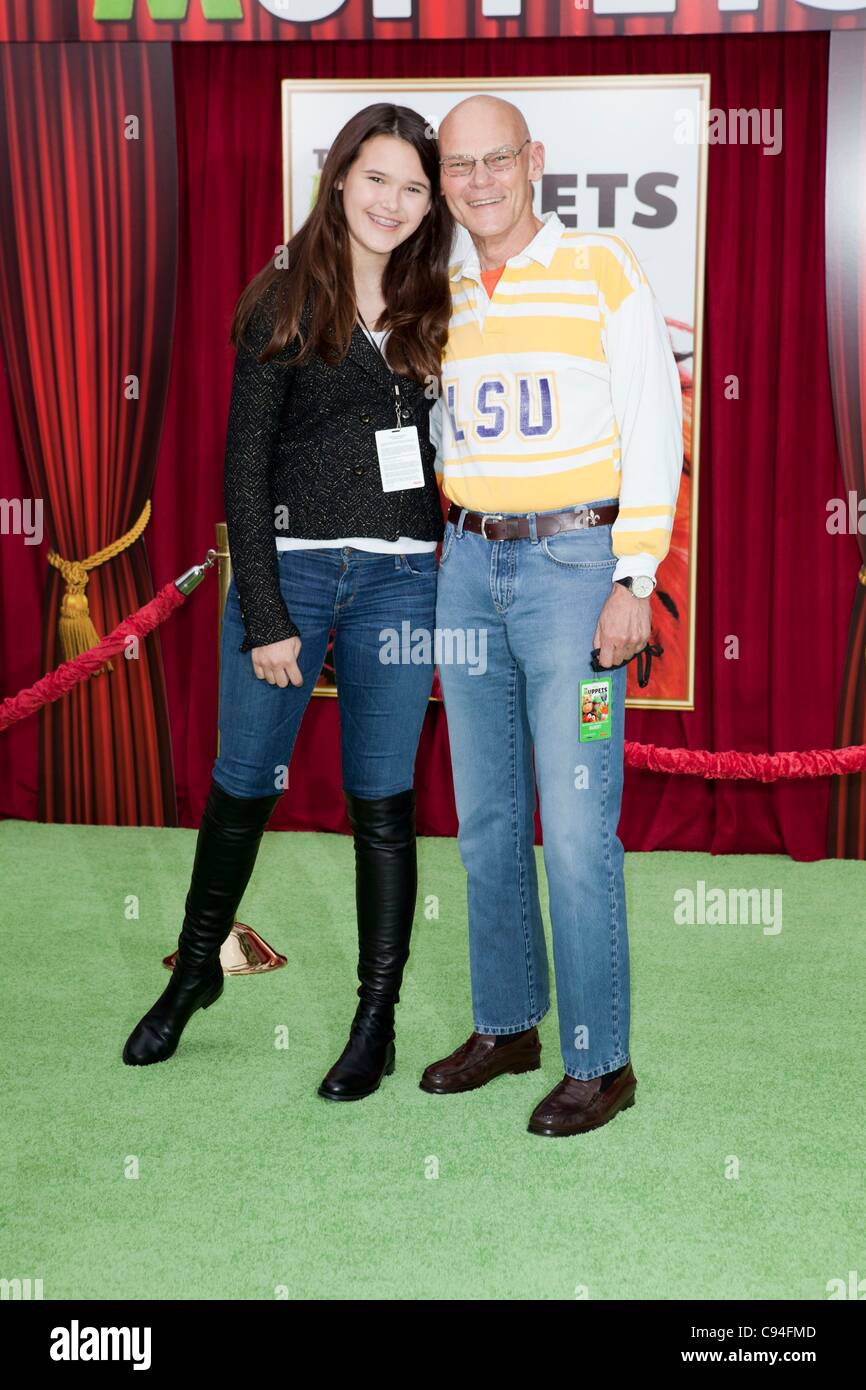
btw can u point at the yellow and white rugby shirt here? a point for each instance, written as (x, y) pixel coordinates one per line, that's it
(561, 389)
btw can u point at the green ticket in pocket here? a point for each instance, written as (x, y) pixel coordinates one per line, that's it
(594, 710)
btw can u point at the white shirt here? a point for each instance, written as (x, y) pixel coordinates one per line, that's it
(402, 543)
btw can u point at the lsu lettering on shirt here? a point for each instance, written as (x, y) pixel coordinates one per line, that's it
(561, 389)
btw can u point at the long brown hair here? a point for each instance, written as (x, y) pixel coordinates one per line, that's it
(415, 283)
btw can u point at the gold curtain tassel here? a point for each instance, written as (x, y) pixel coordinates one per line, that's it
(75, 625)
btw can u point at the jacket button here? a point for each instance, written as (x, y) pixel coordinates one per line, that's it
(406, 413)
(359, 469)
(365, 418)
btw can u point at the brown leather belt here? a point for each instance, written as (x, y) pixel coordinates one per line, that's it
(495, 526)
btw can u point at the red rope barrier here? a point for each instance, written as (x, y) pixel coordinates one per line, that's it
(89, 663)
(756, 767)
(69, 673)
(697, 762)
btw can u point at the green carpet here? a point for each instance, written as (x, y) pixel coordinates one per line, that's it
(221, 1174)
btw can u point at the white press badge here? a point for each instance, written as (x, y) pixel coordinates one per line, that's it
(399, 458)
(399, 454)
(399, 451)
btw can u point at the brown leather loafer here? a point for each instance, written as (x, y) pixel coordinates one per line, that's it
(478, 1061)
(575, 1106)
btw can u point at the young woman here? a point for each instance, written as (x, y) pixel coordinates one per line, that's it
(333, 515)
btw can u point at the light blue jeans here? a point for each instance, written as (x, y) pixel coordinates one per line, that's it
(538, 601)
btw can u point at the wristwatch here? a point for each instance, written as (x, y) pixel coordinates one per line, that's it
(640, 584)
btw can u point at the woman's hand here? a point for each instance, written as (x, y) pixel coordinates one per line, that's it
(277, 663)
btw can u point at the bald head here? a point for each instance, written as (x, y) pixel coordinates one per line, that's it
(493, 203)
(483, 121)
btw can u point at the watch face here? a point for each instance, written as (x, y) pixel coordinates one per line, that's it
(642, 586)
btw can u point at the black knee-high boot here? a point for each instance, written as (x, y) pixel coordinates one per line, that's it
(386, 884)
(228, 843)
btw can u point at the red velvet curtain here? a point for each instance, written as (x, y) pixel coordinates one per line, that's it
(846, 316)
(88, 223)
(768, 573)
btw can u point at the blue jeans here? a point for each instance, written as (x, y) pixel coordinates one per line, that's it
(363, 596)
(538, 600)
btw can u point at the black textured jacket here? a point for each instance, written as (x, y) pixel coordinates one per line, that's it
(301, 460)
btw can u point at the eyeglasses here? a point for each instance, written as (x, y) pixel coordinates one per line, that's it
(497, 162)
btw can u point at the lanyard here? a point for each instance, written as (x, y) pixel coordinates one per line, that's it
(397, 399)
(643, 666)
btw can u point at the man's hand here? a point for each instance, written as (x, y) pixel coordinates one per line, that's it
(623, 626)
(277, 663)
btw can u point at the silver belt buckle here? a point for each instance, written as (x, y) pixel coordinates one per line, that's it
(490, 516)
(587, 516)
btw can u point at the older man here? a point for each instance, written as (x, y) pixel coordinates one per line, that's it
(561, 453)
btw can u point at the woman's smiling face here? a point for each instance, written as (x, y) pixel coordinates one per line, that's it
(385, 194)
